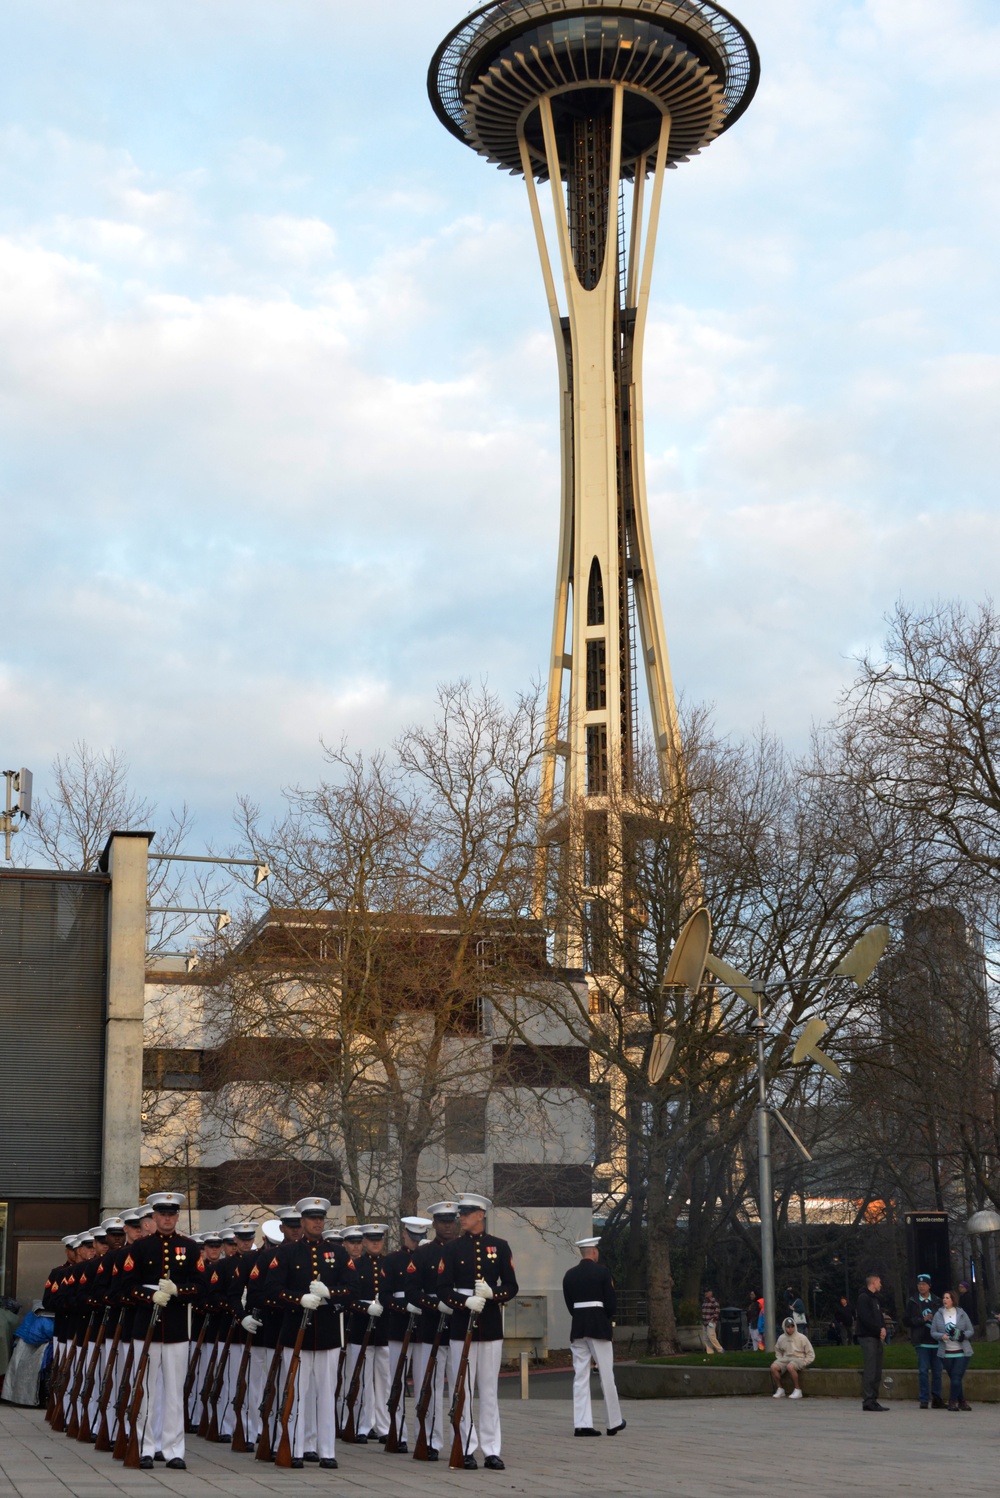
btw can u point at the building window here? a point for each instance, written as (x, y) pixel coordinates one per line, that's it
(595, 594)
(597, 759)
(542, 1185)
(597, 683)
(595, 848)
(596, 936)
(465, 1125)
(603, 1124)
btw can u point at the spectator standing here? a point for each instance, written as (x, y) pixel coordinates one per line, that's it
(797, 1309)
(967, 1301)
(952, 1330)
(793, 1351)
(710, 1313)
(753, 1316)
(844, 1320)
(870, 1318)
(918, 1316)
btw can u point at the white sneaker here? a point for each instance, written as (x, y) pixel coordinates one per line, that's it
(795, 1394)
(778, 1394)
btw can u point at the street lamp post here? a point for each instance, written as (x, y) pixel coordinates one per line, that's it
(765, 1189)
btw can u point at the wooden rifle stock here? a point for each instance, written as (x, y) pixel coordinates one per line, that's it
(135, 1405)
(206, 1390)
(457, 1458)
(283, 1455)
(192, 1374)
(421, 1446)
(103, 1441)
(59, 1382)
(73, 1423)
(338, 1427)
(220, 1378)
(239, 1398)
(121, 1405)
(85, 1433)
(396, 1390)
(263, 1452)
(354, 1389)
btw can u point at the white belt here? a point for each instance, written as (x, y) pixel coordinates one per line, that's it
(399, 1294)
(587, 1305)
(461, 1290)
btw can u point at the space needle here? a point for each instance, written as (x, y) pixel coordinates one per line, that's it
(598, 98)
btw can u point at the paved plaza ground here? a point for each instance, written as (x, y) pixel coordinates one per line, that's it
(822, 1447)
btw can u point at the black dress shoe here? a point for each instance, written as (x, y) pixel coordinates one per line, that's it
(224, 1440)
(177, 1463)
(382, 1440)
(146, 1463)
(432, 1455)
(586, 1430)
(401, 1448)
(158, 1456)
(613, 1430)
(937, 1403)
(297, 1461)
(328, 1461)
(470, 1464)
(310, 1456)
(494, 1464)
(361, 1440)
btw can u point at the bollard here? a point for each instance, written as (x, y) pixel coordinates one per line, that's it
(524, 1375)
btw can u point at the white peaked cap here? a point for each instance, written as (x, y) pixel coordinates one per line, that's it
(113, 1224)
(243, 1229)
(70, 1240)
(332, 1234)
(444, 1209)
(374, 1229)
(312, 1204)
(469, 1199)
(271, 1230)
(416, 1225)
(586, 1243)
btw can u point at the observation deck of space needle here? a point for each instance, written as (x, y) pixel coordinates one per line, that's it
(597, 98)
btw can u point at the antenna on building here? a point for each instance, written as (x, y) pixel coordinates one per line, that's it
(18, 781)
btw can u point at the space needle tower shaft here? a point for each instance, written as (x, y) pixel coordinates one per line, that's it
(597, 98)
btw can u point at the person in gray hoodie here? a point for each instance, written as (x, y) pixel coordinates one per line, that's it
(793, 1351)
(953, 1331)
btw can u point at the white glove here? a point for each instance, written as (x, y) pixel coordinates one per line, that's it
(318, 1288)
(168, 1287)
(414, 1310)
(475, 1303)
(375, 1308)
(446, 1310)
(161, 1298)
(483, 1290)
(251, 1323)
(310, 1302)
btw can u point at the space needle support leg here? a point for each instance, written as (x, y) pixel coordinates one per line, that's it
(654, 648)
(557, 656)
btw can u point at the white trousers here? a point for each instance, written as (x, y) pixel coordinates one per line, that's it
(602, 1353)
(402, 1409)
(161, 1418)
(95, 1393)
(313, 1413)
(434, 1425)
(260, 1361)
(484, 1370)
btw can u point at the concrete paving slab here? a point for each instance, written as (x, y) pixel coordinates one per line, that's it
(711, 1448)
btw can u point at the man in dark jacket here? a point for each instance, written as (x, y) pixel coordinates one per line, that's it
(917, 1318)
(870, 1320)
(589, 1292)
(433, 1324)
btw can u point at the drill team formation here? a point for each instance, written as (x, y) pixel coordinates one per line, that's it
(281, 1348)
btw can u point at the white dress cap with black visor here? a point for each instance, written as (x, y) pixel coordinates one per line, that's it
(312, 1206)
(469, 1201)
(586, 1243)
(165, 1201)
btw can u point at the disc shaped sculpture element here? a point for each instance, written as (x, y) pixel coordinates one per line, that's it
(807, 1048)
(865, 953)
(733, 978)
(660, 1057)
(986, 1221)
(686, 967)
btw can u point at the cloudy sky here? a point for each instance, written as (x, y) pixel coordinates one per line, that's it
(278, 397)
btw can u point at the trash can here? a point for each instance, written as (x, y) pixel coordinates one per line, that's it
(733, 1328)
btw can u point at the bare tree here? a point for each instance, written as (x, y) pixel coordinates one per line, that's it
(356, 1010)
